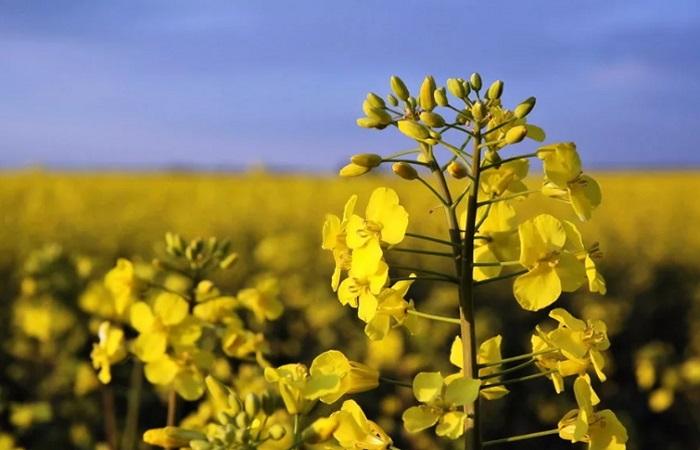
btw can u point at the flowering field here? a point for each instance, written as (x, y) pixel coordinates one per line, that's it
(60, 233)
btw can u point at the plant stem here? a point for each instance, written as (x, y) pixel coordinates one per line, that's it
(446, 280)
(508, 370)
(131, 425)
(172, 408)
(503, 161)
(407, 161)
(420, 251)
(110, 417)
(432, 189)
(508, 197)
(518, 380)
(497, 264)
(429, 238)
(518, 358)
(404, 153)
(434, 317)
(501, 277)
(426, 271)
(520, 437)
(396, 382)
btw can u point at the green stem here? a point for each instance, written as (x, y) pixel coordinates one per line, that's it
(429, 238)
(509, 370)
(518, 358)
(407, 161)
(457, 152)
(404, 153)
(434, 317)
(500, 125)
(426, 271)
(508, 197)
(514, 158)
(446, 280)
(483, 218)
(396, 382)
(131, 425)
(432, 189)
(420, 251)
(520, 437)
(518, 380)
(501, 277)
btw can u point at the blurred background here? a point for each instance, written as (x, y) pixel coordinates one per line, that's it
(120, 121)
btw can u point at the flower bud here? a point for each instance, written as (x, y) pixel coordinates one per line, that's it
(404, 170)
(516, 134)
(379, 115)
(432, 119)
(375, 101)
(171, 437)
(251, 405)
(392, 100)
(218, 392)
(456, 88)
(413, 129)
(368, 122)
(412, 103)
(495, 90)
(200, 445)
(353, 170)
(457, 170)
(427, 101)
(277, 432)
(440, 97)
(399, 88)
(229, 261)
(320, 431)
(475, 81)
(369, 160)
(241, 420)
(524, 108)
(478, 111)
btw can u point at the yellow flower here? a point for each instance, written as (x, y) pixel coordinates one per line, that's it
(355, 431)
(333, 375)
(551, 268)
(122, 283)
(360, 290)
(442, 402)
(291, 380)
(391, 304)
(501, 181)
(566, 181)
(385, 221)
(489, 352)
(263, 299)
(109, 350)
(600, 429)
(239, 342)
(334, 232)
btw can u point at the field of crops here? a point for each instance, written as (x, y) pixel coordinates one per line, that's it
(61, 232)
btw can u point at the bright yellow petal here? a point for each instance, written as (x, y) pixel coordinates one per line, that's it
(161, 371)
(419, 418)
(170, 308)
(384, 208)
(427, 386)
(538, 288)
(585, 196)
(451, 424)
(571, 272)
(141, 317)
(150, 346)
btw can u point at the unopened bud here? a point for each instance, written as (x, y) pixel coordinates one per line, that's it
(251, 405)
(379, 115)
(375, 101)
(475, 81)
(495, 90)
(277, 432)
(516, 134)
(427, 101)
(524, 108)
(392, 100)
(432, 119)
(171, 437)
(457, 170)
(404, 170)
(320, 431)
(368, 160)
(399, 88)
(412, 103)
(241, 420)
(229, 261)
(456, 88)
(413, 129)
(478, 111)
(353, 170)
(440, 97)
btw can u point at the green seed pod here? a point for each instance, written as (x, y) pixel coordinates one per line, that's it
(440, 97)
(375, 100)
(368, 160)
(404, 170)
(524, 108)
(478, 111)
(495, 90)
(277, 432)
(457, 170)
(475, 81)
(413, 129)
(353, 170)
(393, 101)
(456, 88)
(251, 405)
(516, 134)
(427, 100)
(399, 88)
(432, 119)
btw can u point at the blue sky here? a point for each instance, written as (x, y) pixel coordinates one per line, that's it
(147, 84)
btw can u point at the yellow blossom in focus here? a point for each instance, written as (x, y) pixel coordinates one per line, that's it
(355, 431)
(291, 380)
(333, 375)
(361, 290)
(391, 305)
(334, 239)
(489, 352)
